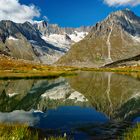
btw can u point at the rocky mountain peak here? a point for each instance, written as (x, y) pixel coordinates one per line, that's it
(123, 16)
(41, 26)
(124, 12)
(116, 37)
(41, 23)
(125, 20)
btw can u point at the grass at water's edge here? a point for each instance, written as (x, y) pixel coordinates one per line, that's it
(23, 132)
(133, 134)
(38, 75)
(54, 72)
(115, 69)
(18, 69)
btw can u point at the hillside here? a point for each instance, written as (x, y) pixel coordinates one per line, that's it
(115, 38)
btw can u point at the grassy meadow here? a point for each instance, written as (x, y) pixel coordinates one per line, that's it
(17, 69)
(13, 68)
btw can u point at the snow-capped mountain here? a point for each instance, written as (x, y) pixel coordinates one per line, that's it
(115, 38)
(62, 38)
(64, 41)
(40, 41)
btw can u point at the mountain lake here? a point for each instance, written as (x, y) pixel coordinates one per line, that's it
(89, 105)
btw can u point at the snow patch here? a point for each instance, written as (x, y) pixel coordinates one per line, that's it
(61, 41)
(78, 36)
(12, 38)
(58, 40)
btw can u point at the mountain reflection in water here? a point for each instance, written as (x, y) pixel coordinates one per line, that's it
(91, 104)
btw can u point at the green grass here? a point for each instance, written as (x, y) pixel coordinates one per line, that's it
(133, 134)
(17, 132)
(22, 132)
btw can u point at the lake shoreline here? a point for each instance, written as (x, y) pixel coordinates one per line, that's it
(50, 74)
(19, 69)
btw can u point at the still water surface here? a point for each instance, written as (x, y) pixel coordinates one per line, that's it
(86, 106)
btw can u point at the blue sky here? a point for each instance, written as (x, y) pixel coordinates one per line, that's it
(75, 13)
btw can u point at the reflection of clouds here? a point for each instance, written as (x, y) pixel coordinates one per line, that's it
(19, 116)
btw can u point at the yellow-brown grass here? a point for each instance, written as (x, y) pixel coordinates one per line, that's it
(12, 68)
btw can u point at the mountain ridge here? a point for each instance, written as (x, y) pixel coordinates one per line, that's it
(116, 37)
(27, 41)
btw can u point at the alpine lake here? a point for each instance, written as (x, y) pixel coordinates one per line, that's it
(89, 105)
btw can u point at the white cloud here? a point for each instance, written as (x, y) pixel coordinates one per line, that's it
(19, 13)
(45, 18)
(122, 2)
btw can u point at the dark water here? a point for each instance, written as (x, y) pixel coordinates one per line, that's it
(90, 105)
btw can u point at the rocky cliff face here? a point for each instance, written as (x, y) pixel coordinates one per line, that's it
(46, 29)
(14, 40)
(115, 38)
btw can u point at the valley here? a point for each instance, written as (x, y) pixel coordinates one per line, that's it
(76, 83)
